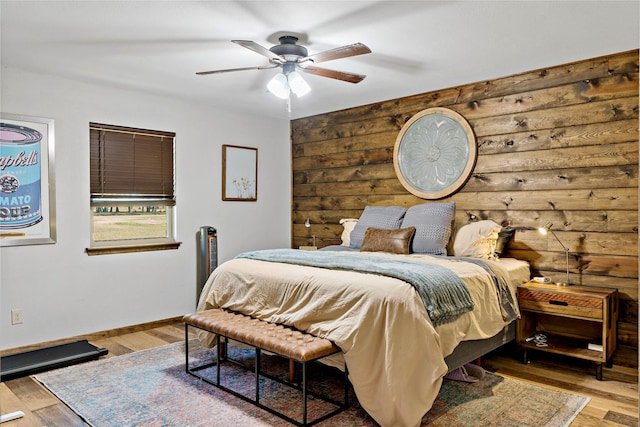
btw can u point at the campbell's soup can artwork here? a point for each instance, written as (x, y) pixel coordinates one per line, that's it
(20, 172)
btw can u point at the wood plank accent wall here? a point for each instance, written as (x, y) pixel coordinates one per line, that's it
(555, 145)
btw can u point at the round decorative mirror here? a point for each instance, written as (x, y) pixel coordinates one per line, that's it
(435, 153)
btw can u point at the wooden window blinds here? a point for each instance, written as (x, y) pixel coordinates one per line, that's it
(131, 164)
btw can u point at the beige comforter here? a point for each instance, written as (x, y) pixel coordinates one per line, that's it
(394, 354)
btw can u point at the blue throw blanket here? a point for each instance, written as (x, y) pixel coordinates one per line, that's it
(507, 305)
(444, 295)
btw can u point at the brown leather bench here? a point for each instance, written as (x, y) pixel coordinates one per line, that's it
(284, 341)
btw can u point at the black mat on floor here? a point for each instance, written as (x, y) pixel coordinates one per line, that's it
(44, 359)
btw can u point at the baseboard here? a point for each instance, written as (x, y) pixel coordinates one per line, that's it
(95, 335)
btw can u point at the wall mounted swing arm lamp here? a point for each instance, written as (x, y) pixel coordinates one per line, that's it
(547, 229)
(307, 223)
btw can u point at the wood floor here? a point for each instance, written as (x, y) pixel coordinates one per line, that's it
(614, 401)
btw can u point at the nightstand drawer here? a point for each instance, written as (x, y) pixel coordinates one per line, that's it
(560, 303)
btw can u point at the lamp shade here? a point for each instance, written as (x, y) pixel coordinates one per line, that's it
(297, 84)
(544, 230)
(279, 86)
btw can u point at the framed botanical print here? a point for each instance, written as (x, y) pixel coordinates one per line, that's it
(239, 173)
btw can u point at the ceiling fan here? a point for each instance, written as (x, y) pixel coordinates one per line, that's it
(292, 57)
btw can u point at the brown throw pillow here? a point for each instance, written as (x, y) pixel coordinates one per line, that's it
(396, 240)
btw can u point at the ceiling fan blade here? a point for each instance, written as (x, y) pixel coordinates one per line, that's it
(333, 74)
(202, 73)
(251, 45)
(339, 52)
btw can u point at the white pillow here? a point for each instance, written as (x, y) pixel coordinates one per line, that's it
(348, 224)
(477, 240)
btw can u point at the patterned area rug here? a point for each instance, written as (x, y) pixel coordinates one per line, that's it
(151, 388)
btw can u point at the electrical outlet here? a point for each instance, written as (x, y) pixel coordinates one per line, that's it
(16, 316)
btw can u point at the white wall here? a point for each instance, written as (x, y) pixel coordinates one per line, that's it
(63, 291)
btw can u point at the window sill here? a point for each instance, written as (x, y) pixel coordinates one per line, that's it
(107, 250)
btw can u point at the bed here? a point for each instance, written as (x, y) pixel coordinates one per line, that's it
(398, 330)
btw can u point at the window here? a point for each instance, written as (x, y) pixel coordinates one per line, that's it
(132, 189)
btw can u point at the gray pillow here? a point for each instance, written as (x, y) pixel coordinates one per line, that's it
(433, 226)
(377, 217)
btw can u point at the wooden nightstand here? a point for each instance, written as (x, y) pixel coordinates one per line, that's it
(573, 318)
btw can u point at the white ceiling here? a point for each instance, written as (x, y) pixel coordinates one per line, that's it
(417, 46)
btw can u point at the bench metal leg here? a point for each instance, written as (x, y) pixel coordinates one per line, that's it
(218, 360)
(186, 347)
(257, 367)
(304, 393)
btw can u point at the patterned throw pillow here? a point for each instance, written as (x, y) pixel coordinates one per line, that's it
(376, 217)
(477, 240)
(433, 226)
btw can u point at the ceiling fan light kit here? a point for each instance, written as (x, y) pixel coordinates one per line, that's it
(293, 82)
(289, 81)
(291, 58)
